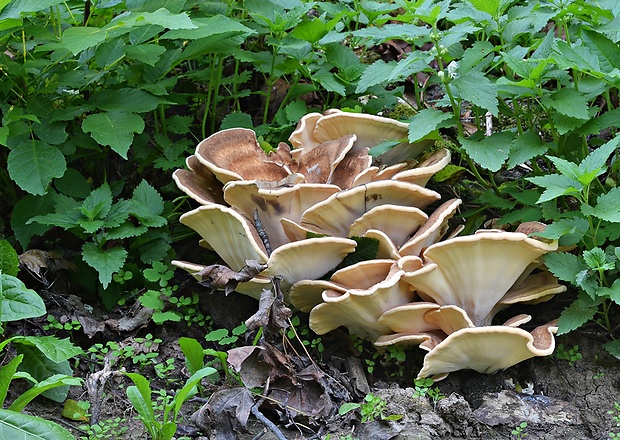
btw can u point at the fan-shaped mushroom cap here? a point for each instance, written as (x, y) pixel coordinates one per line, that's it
(387, 249)
(228, 233)
(274, 204)
(303, 136)
(306, 294)
(351, 169)
(426, 340)
(536, 288)
(474, 272)
(308, 259)
(409, 318)
(335, 215)
(235, 154)
(488, 349)
(397, 222)
(432, 230)
(422, 172)
(199, 182)
(359, 309)
(318, 165)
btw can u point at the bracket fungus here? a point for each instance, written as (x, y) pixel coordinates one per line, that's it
(291, 213)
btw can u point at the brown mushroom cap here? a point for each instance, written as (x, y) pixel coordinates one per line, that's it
(352, 168)
(199, 182)
(235, 154)
(474, 272)
(335, 215)
(228, 233)
(488, 349)
(319, 164)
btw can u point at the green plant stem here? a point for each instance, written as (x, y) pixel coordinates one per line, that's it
(205, 115)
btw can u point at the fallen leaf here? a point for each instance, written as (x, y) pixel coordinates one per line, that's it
(226, 413)
(219, 277)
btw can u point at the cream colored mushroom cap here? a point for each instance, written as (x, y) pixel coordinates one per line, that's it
(488, 349)
(359, 309)
(474, 272)
(387, 249)
(228, 233)
(234, 154)
(308, 259)
(335, 215)
(397, 222)
(274, 204)
(409, 318)
(303, 136)
(306, 294)
(422, 172)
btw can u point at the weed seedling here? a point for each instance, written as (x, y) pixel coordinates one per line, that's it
(423, 388)
(371, 409)
(615, 415)
(518, 432)
(572, 355)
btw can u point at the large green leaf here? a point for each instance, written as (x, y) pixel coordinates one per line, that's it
(476, 88)
(607, 51)
(115, 128)
(607, 206)
(41, 367)
(207, 27)
(126, 100)
(79, 38)
(56, 350)
(147, 204)
(26, 208)
(491, 152)
(33, 164)
(146, 53)
(426, 122)
(6, 376)
(18, 426)
(106, 262)
(17, 301)
(9, 262)
(568, 102)
(525, 147)
(42, 387)
(17, 7)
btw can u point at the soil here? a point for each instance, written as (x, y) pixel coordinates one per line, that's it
(556, 398)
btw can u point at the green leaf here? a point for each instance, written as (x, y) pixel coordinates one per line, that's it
(33, 164)
(106, 262)
(555, 185)
(612, 292)
(491, 152)
(426, 122)
(348, 407)
(43, 387)
(613, 347)
(126, 100)
(210, 26)
(607, 52)
(565, 266)
(140, 397)
(595, 162)
(151, 299)
(110, 53)
(147, 204)
(237, 120)
(381, 72)
(187, 391)
(194, 354)
(476, 88)
(115, 129)
(79, 38)
(607, 206)
(6, 376)
(57, 350)
(26, 208)
(568, 102)
(164, 18)
(9, 262)
(41, 367)
(17, 301)
(566, 168)
(98, 203)
(330, 82)
(145, 53)
(569, 230)
(366, 249)
(15, 425)
(596, 259)
(525, 147)
(16, 8)
(578, 313)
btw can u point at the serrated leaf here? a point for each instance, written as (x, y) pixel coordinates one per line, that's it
(208, 27)
(106, 262)
(578, 313)
(565, 266)
(381, 72)
(555, 185)
(525, 147)
(595, 161)
(570, 230)
(147, 204)
(566, 167)
(491, 152)
(145, 53)
(607, 52)
(237, 120)
(476, 88)
(33, 164)
(426, 122)
(164, 18)
(98, 203)
(612, 292)
(17, 301)
(596, 259)
(568, 102)
(330, 82)
(115, 129)
(607, 206)
(16, 425)
(55, 349)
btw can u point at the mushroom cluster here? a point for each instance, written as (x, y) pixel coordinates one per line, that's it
(294, 212)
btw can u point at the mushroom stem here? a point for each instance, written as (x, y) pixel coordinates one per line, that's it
(261, 232)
